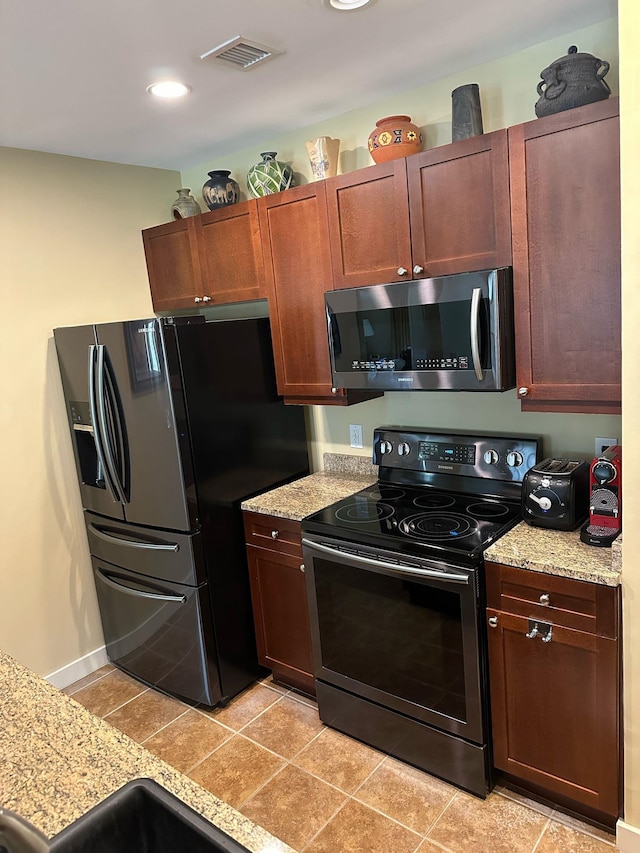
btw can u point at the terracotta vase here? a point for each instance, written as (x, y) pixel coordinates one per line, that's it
(323, 156)
(393, 137)
(270, 176)
(220, 190)
(185, 205)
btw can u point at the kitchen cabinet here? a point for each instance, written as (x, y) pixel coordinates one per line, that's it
(210, 259)
(555, 688)
(279, 598)
(565, 202)
(442, 211)
(295, 243)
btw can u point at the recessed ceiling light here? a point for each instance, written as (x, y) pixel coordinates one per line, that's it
(348, 5)
(168, 89)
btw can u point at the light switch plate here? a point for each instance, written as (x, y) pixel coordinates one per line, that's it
(603, 443)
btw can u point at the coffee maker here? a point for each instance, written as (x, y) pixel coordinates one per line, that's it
(605, 501)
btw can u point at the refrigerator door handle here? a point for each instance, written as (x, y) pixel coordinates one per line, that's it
(138, 593)
(96, 424)
(118, 540)
(102, 420)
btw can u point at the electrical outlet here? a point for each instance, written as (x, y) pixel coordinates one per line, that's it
(603, 443)
(355, 435)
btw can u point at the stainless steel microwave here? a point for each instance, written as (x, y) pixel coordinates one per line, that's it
(452, 333)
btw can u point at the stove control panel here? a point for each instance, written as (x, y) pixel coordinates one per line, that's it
(415, 451)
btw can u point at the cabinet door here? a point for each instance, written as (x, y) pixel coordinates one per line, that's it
(459, 206)
(555, 710)
(173, 265)
(281, 616)
(565, 198)
(230, 253)
(369, 225)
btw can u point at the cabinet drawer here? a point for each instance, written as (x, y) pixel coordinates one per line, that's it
(277, 534)
(562, 601)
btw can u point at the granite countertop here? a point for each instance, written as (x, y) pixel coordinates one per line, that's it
(58, 760)
(343, 475)
(557, 552)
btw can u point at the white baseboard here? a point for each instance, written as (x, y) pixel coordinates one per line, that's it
(627, 837)
(78, 668)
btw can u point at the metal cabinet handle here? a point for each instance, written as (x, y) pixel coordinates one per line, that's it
(402, 271)
(197, 299)
(275, 534)
(418, 269)
(302, 567)
(532, 633)
(206, 299)
(493, 621)
(522, 392)
(548, 635)
(544, 598)
(334, 390)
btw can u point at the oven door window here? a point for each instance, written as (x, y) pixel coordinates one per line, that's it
(406, 644)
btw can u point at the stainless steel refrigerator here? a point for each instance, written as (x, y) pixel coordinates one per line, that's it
(175, 421)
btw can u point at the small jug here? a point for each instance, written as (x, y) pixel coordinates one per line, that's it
(572, 81)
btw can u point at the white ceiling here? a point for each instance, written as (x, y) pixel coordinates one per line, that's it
(73, 73)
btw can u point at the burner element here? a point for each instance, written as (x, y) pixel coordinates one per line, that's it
(435, 501)
(385, 493)
(361, 511)
(438, 526)
(487, 509)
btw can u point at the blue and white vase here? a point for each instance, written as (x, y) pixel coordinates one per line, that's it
(270, 176)
(220, 190)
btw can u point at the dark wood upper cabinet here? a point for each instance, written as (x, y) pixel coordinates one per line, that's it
(565, 201)
(205, 260)
(438, 212)
(230, 253)
(555, 705)
(295, 245)
(173, 264)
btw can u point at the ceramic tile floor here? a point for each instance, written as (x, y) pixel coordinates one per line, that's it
(268, 755)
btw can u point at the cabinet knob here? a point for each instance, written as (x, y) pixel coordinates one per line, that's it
(302, 567)
(197, 299)
(334, 390)
(206, 299)
(418, 269)
(275, 534)
(522, 392)
(544, 598)
(493, 621)
(402, 271)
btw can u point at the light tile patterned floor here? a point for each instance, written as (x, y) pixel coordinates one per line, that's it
(268, 755)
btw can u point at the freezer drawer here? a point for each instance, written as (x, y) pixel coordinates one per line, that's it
(160, 554)
(158, 632)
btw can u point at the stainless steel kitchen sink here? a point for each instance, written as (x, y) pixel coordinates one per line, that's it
(143, 817)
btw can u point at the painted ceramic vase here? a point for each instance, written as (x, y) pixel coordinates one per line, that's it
(323, 157)
(185, 205)
(220, 190)
(270, 176)
(393, 137)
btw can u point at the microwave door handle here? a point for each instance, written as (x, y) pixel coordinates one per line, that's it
(474, 329)
(102, 416)
(97, 436)
(394, 567)
(129, 543)
(138, 593)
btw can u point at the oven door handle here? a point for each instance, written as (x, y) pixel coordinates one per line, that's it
(394, 567)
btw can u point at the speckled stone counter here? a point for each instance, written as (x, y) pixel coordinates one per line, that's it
(57, 760)
(555, 552)
(342, 476)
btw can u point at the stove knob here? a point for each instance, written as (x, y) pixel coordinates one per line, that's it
(404, 449)
(386, 447)
(490, 457)
(514, 459)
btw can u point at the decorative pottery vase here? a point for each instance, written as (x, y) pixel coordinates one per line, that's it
(394, 136)
(220, 190)
(270, 176)
(572, 81)
(323, 156)
(185, 205)
(466, 112)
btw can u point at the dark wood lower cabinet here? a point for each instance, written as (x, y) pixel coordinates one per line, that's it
(279, 598)
(555, 690)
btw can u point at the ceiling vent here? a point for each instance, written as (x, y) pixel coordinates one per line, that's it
(241, 52)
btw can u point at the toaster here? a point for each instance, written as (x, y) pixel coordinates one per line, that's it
(555, 493)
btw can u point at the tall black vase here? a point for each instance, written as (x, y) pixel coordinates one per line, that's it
(220, 190)
(466, 114)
